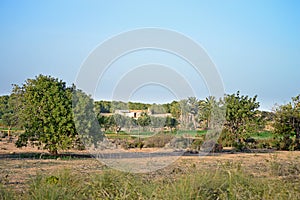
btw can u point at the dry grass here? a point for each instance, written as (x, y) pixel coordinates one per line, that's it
(17, 173)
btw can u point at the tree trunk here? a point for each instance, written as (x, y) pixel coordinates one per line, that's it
(8, 131)
(194, 122)
(8, 134)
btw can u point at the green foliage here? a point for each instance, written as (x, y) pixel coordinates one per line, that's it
(9, 120)
(241, 116)
(62, 185)
(45, 111)
(115, 123)
(158, 140)
(171, 122)
(167, 107)
(175, 109)
(157, 122)
(211, 112)
(3, 105)
(197, 143)
(136, 143)
(157, 109)
(189, 111)
(103, 107)
(120, 121)
(52, 180)
(193, 133)
(6, 194)
(206, 107)
(262, 135)
(107, 122)
(138, 106)
(118, 105)
(49, 111)
(8, 110)
(85, 120)
(144, 120)
(287, 124)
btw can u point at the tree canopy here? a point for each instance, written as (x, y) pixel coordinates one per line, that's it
(241, 115)
(287, 124)
(46, 112)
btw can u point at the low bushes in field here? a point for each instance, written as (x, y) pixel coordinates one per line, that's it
(158, 140)
(128, 144)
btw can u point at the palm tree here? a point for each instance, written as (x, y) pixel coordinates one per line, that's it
(206, 108)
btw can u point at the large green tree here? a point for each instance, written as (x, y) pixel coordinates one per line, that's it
(241, 115)
(46, 112)
(86, 123)
(287, 124)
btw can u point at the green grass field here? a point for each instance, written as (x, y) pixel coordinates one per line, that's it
(262, 135)
(265, 135)
(135, 133)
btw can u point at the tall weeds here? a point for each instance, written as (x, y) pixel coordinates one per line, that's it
(227, 181)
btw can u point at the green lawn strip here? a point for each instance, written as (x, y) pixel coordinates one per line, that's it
(262, 135)
(192, 133)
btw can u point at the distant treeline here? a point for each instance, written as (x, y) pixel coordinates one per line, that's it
(52, 115)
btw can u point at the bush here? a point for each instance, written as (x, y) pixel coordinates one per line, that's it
(226, 139)
(211, 146)
(158, 140)
(250, 143)
(292, 144)
(263, 145)
(62, 185)
(128, 144)
(196, 144)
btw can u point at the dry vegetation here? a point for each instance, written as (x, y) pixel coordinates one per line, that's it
(27, 174)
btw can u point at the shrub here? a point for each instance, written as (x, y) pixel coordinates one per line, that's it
(62, 185)
(158, 140)
(196, 144)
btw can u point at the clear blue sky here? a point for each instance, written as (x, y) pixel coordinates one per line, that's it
(254, 44)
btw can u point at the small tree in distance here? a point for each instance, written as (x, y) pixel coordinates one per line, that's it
(144, 120)
(8, 109)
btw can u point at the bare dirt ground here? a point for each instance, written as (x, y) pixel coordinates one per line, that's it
(18, 166)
